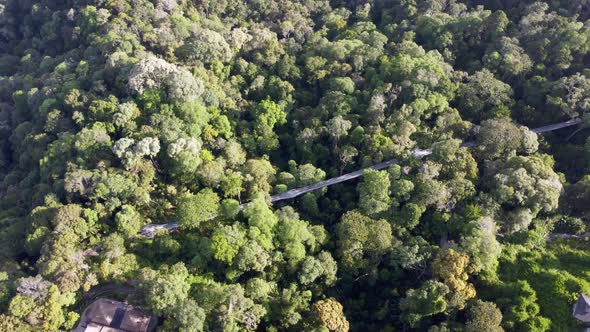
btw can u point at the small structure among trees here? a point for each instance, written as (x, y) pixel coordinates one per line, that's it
(109, 315)
(582, 309)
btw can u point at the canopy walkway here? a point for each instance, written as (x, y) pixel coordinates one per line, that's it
(150, 230)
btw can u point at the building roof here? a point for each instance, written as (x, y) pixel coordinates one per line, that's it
(102, 311)
(105, 315)
(581, 309)
(135, 320)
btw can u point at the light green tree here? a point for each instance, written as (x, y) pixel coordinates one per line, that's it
(194, 209)
(374, 192)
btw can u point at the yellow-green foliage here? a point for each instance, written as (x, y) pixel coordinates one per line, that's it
(557, 273)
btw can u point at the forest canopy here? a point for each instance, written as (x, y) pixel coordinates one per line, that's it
(118, 114)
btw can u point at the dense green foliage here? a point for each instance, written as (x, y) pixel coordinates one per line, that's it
(116, 114)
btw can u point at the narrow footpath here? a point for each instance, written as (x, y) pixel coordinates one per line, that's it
(151, 229)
